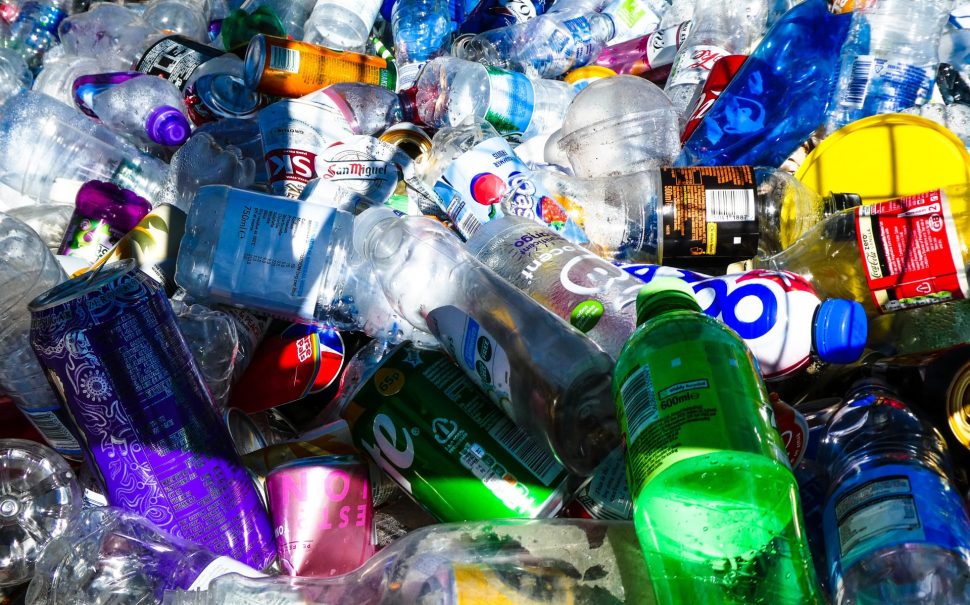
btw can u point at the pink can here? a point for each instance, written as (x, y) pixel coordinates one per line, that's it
(323, 517)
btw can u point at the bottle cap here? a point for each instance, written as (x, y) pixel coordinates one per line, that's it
(167, 126)
(841, 331)
(664, 294)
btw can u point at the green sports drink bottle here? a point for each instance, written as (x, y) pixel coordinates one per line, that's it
(715, 503)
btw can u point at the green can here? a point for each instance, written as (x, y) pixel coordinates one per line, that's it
(420, 419)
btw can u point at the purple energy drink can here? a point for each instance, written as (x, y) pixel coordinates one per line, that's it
(110, 345)
(323, 515)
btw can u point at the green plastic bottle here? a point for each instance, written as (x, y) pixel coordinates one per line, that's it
(715, 502)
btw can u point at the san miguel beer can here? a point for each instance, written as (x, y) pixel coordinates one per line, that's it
(290, 68)
(112, 350)
(423, 421)
(323, 516)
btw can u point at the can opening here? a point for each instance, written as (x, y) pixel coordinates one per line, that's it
(82, 284)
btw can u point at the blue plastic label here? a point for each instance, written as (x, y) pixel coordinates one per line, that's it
(889, 507)
(887, 86)
(511, 99)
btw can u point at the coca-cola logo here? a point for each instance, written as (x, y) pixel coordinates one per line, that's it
(704, 59)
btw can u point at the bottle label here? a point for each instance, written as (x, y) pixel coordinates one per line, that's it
(294, 133)
(271, 254)
(911, 252)
(175, 59)
(362, 164)
(89, 238)
(475, 584)
(407, 75)
(889, 86)
(427, 426)
(294, 69)
(606, 495)
(511, 100)
(53, 424)
(493, 181)
(643, 54)
(476, 351)
(709, 214)
(693, 65)
(889, 507)
(582, 40)
(632, 18)
(677, 405)
(222, 566)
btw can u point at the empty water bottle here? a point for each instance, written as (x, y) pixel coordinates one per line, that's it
(343, 25)
(422, 30)
(147, 108)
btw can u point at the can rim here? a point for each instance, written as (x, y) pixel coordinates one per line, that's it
(83, 284)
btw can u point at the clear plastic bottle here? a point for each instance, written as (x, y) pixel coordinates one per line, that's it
(341, 25)
(498, 562)
(14, 74)
(889, 60)
(545, 47)
(106, 31)
(34, 31)
(547, 376)
(422, 30)
(46, 148)
(186, 17)
(39, 499)
(896, 528)
(292, 14)
(28, 269)
(635, 18)
(720, 29)
(147, 108)
(450, 90)
(110, 556)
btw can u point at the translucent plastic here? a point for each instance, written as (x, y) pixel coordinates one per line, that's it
(130, 106)
(548, 561)
(27, 269)
(889, 59)
(214, 342)
(341, 25)
(186, 17)
(107, 29)
(44, 145)
(545, 47)
(620, 125)
(39, 499)
(873, 436)
(14, 75)
(422, 30)
(558, 382)
(33, 31)
(292, 13)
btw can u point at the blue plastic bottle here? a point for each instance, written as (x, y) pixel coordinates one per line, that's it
(34, 30)
(422, 30)
(780, 95)
(896, 528)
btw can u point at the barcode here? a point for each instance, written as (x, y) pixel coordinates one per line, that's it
(284, 59)
(855, 93)
(729, 205)
(639, 402)
(54, 431)
(526, 451)
(466, 222)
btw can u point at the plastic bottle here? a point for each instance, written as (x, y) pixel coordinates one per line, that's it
(619, 125)
(593, 295)
(545, 375)
(341, 25)
(28, 269)
(107, 32)
(111, 556)
(889, 59)
(889, 256)
(545, 47)
(487, 180)
(776, 100)
(779, 317)
(147, 108)
(719, 29)
(292, 14)
(896, 529)
(422, 30)
(186, 17)
(14, 74)
(547, 561)
(69, 150)
(39, 499)
(635, 18)
(714, 499)
(450, 90)
(649, 56)
(647, 216)
(34, 30)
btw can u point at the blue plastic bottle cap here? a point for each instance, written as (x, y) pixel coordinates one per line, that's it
(841, 331)
(167, 126)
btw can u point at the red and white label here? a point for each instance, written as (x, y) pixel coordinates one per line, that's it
(911, 252)
(291, 165)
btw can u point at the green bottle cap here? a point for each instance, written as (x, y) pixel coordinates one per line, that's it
(664, 294)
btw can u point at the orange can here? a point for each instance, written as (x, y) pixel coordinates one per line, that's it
(290, 68)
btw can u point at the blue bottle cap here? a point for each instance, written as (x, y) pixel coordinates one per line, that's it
(841, 331)
(167, 126)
